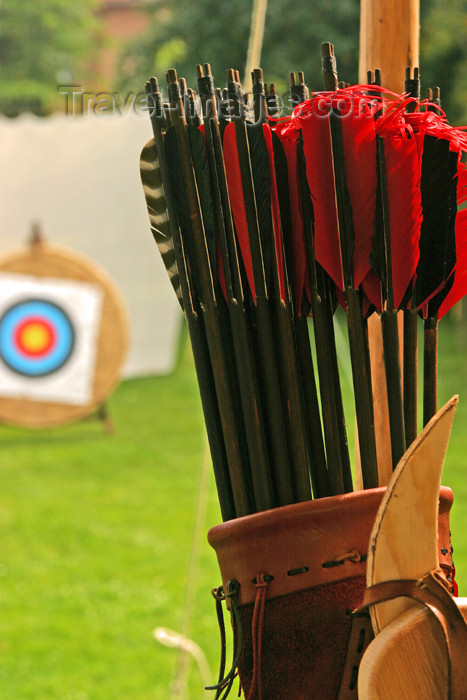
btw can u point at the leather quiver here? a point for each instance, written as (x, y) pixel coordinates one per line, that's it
(301, 571)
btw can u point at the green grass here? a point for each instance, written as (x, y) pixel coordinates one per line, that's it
(96, 538)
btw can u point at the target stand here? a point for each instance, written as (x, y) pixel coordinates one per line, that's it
(63, 337)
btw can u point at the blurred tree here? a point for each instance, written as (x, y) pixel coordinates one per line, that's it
(218, 30)
(443, 49)
(46, 42)
(42, 43)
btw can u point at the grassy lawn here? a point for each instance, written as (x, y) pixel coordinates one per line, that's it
(96, 536)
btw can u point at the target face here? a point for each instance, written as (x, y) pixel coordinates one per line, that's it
(36, 337)
(48, 338)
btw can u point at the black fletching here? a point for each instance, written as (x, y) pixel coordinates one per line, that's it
(203, 182)
(281, 171)
(262, 185)
(378, 254)
(449, 253)
(435, 228)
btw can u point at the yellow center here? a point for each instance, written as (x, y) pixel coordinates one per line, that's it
(34, 337)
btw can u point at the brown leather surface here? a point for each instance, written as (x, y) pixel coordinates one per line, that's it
(304, 646)
(444, 535)
(361, 635)
(304, 535)
(291, 537)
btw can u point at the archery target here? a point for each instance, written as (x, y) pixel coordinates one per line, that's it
(36, 337)
(48, 338)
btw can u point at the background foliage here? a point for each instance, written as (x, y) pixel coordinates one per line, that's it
(217, 31)
(42, 44)
(46, 42)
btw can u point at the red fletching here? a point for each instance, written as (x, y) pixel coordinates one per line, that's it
(371, 286)
(276, 216)
(288, 137)
(459, 288)
(359, 142)
(434, 124)
(319, 169)
(358, 132)
(462, 186)
(404, 205)
(237, 202)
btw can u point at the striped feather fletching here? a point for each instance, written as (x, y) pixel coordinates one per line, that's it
(158, 214)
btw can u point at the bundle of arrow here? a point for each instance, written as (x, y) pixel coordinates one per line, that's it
(264, 221)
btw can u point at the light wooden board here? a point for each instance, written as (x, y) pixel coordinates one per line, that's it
(408, 660)
(404, 539)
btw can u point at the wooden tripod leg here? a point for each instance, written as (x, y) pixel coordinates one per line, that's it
(104, 416)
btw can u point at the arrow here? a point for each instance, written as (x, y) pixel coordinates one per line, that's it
(155, 180)
(189, 213)
(243, 201)
(255, 421)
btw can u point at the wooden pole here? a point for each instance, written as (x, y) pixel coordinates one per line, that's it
(389, 40)
(255, 43)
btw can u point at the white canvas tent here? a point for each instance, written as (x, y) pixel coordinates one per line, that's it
(79, 178)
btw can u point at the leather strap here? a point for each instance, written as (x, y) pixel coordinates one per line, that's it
(430, 590)
(361, 634)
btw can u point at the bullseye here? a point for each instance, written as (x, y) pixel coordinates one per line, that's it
(36, 337)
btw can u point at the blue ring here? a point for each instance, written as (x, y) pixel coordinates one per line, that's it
(60, 353)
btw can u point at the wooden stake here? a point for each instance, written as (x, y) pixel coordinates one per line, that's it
(389, 41)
